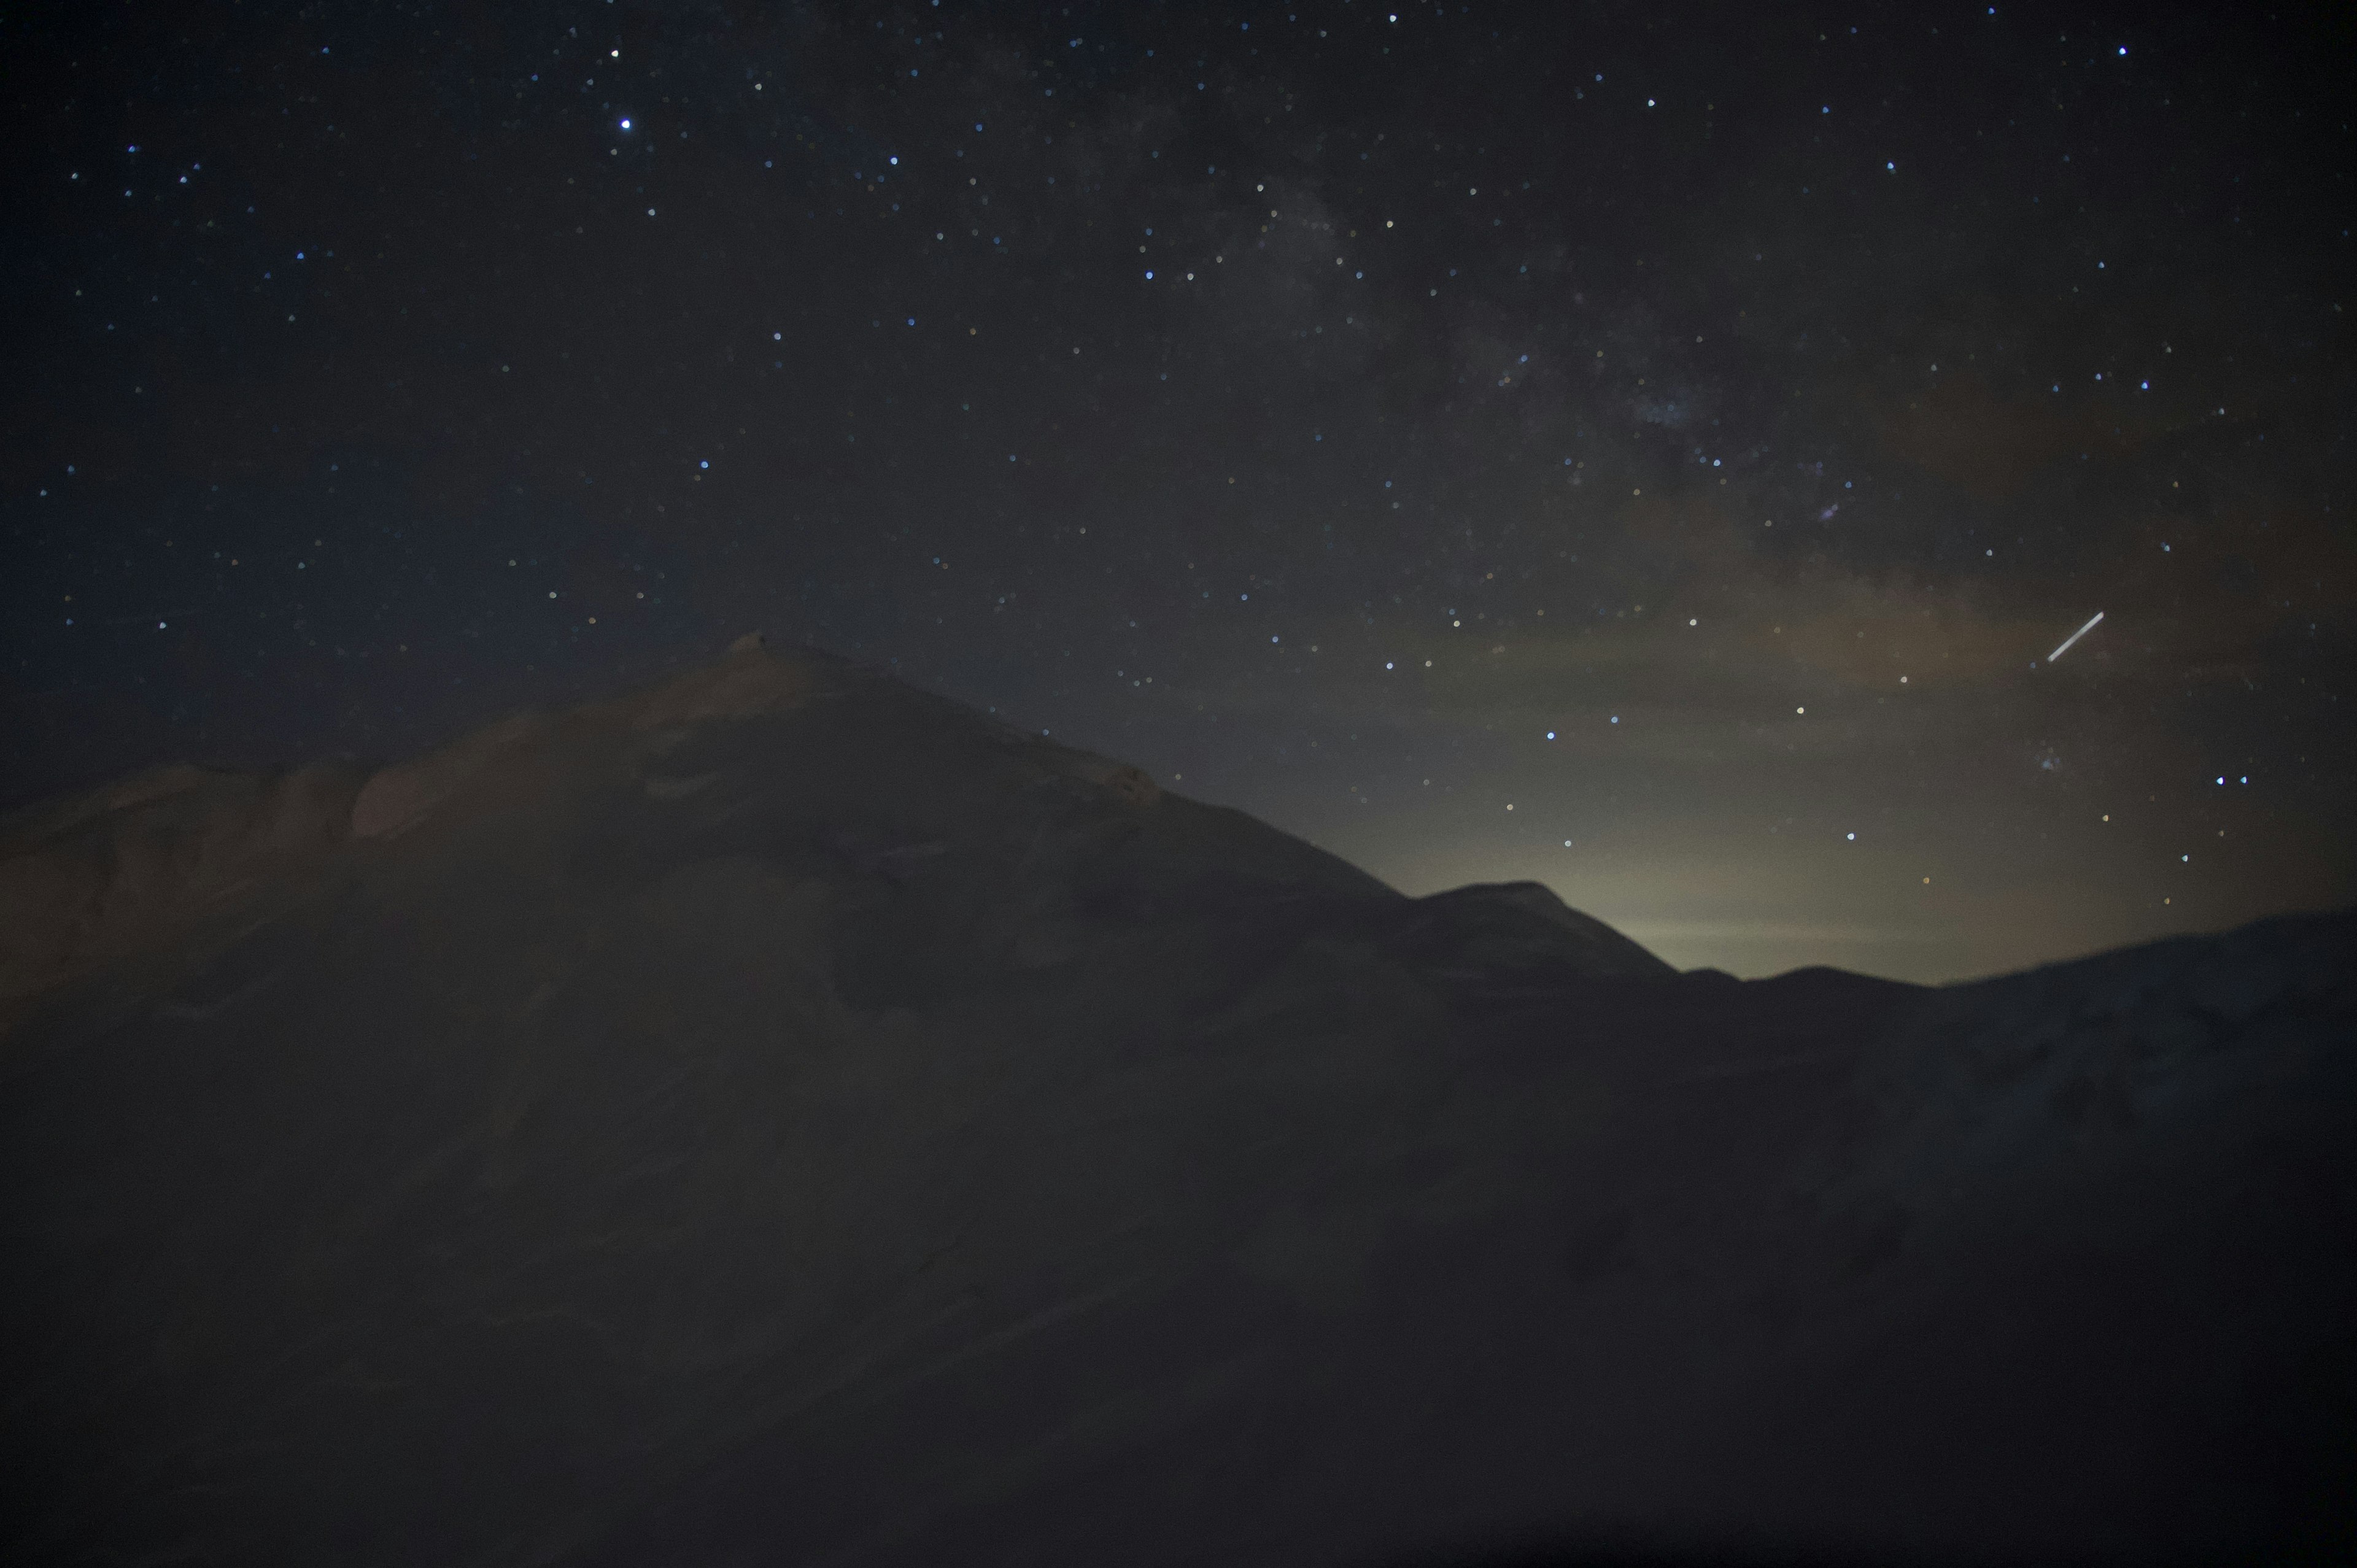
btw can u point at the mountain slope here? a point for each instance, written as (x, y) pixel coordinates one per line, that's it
(779, 1116)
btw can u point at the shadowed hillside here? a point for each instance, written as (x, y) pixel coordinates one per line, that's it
(779, 1116)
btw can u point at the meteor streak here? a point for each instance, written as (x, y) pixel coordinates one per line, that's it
(2073, 638)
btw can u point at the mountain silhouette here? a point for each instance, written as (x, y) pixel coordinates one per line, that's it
(779, 1116)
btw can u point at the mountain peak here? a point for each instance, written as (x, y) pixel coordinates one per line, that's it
(777, 1114)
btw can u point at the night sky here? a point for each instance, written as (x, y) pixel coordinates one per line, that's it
(1651, 449)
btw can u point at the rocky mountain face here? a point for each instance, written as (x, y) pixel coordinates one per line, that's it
(780, 1117)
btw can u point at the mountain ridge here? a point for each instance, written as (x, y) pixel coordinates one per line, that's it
(777, 1115)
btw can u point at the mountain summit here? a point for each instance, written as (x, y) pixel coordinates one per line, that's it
(777, 1116)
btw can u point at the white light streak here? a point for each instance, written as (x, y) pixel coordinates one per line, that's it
(2073, 638)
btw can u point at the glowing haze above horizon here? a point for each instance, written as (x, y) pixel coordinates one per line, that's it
(1657, 453)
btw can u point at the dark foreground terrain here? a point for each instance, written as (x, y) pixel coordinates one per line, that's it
(779, 1117)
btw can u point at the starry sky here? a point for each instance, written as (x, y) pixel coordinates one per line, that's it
(1655, 450)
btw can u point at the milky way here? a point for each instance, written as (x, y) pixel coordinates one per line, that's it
(1648, 453)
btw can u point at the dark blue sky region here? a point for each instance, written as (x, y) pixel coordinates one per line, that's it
(1651, 450)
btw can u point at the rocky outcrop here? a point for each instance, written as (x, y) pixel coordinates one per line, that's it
(132, 868)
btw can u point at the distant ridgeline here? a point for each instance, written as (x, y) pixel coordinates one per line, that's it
(781, 1116)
